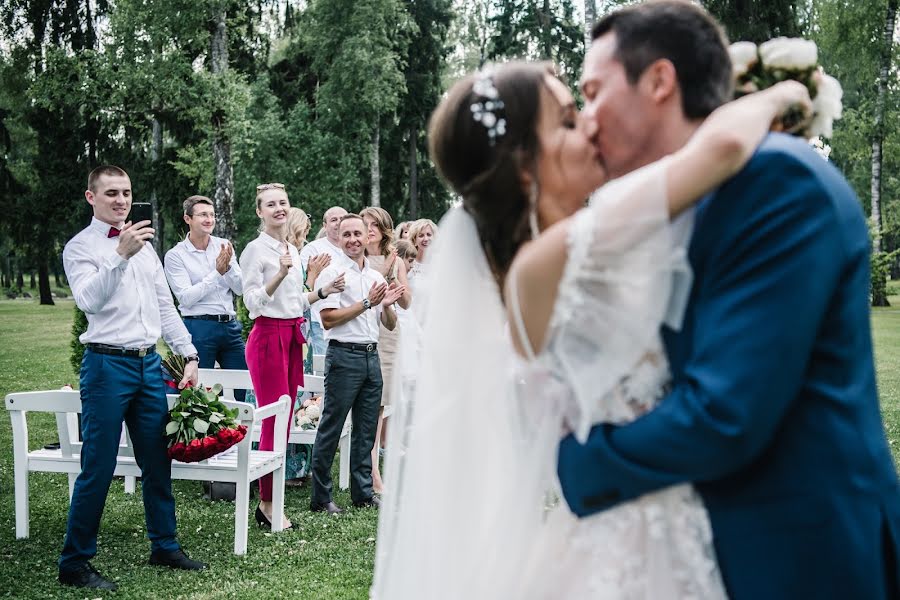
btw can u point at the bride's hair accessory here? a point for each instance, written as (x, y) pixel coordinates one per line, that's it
(486, 110)
(532, 210)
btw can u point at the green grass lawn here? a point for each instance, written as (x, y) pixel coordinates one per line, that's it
(328, 557)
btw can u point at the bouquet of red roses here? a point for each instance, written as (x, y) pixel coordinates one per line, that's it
(200, 426)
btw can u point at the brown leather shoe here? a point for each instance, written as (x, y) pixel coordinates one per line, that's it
(330, 507)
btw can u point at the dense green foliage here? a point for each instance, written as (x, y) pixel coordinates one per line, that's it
(310, 89)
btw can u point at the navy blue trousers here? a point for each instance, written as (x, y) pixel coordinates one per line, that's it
(116, 389)
(219, 342)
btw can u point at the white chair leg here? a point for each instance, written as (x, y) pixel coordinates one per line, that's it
(72, 478)
(344, 476)
(241, 508)
(129, 484)
(278, 498)
(22, 508)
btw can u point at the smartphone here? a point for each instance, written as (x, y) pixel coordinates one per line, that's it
(140, 211)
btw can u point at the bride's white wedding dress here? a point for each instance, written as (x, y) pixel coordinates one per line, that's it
(497, 533)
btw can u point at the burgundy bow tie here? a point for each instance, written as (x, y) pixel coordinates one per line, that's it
(113, 232)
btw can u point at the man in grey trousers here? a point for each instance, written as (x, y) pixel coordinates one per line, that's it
(352, 369)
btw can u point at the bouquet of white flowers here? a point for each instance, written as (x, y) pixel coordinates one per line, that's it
(308, 414)
(759, 67)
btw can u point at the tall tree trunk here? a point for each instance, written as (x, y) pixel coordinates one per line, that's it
(375, 166)
(20, 280)
(56, 277)
(590, 17)
(32, 283)
(44, 281)
(155, 153)
(224, 193)
(546, 33)
(879, 291)
(413, 172)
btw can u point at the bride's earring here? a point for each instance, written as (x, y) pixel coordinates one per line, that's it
(532, 210)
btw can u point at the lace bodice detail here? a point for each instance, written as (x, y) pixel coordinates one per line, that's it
(603, 356)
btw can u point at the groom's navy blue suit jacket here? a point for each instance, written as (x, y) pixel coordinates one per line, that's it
(774, 410)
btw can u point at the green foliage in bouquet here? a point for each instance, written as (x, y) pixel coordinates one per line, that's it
(79, 326)
(199, 414)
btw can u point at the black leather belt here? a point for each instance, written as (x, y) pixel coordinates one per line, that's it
(369, 347)
(217, 318)
(120, 351)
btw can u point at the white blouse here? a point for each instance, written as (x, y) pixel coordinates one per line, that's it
(260, 261)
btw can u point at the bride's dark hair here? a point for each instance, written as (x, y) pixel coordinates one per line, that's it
(484, 170)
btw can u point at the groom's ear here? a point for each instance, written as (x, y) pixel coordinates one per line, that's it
(660, 81)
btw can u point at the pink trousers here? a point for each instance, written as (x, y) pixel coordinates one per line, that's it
(275, 361)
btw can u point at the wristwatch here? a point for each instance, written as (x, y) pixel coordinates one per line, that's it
(192, 358)
(366, 304)
(321, 295)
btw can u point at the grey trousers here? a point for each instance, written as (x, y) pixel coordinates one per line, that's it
(352, 381)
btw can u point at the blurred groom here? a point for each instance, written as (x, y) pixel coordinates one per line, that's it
(774, 412)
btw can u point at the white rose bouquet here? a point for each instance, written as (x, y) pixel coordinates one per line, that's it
(308, 414)
(759, 67)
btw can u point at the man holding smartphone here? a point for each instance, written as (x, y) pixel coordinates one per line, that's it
(118, 281)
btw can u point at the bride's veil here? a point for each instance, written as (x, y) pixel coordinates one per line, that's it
(467, 463)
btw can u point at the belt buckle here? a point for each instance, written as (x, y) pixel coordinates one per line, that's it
(369, 347)
(142, 352)
(222, 318)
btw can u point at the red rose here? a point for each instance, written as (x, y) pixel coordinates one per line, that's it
(176, 451)
(195, 443)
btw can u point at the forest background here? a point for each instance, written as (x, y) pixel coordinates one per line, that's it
(332, 98)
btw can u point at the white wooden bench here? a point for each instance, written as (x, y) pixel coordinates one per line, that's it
(239, 464)
(239, 379)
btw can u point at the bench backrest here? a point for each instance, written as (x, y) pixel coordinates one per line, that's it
(239, 379)
(66, 404)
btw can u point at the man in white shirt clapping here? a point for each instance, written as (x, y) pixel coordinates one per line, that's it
(330, 245)
(352, 369)
(205, 277)
(118, 281)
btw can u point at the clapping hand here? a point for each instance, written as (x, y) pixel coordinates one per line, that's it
(377, 293)
(316, 265)
(133, 237)
(223, 260)
(335, 286)
(394, 292)
(285, 262)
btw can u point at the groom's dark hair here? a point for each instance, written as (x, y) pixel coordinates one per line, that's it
(683, 33)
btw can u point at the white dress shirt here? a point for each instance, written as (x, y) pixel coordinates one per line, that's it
(127, 302)
(260, 261)
(357, 283)
(321, 246)
(199, 287)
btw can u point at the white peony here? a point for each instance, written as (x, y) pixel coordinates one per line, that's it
(789, 53)
(743, 56)
(304, 420)
(313, 412)
(826, 106)
(828, 97)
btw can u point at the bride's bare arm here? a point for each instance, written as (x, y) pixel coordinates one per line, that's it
(726, 141)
